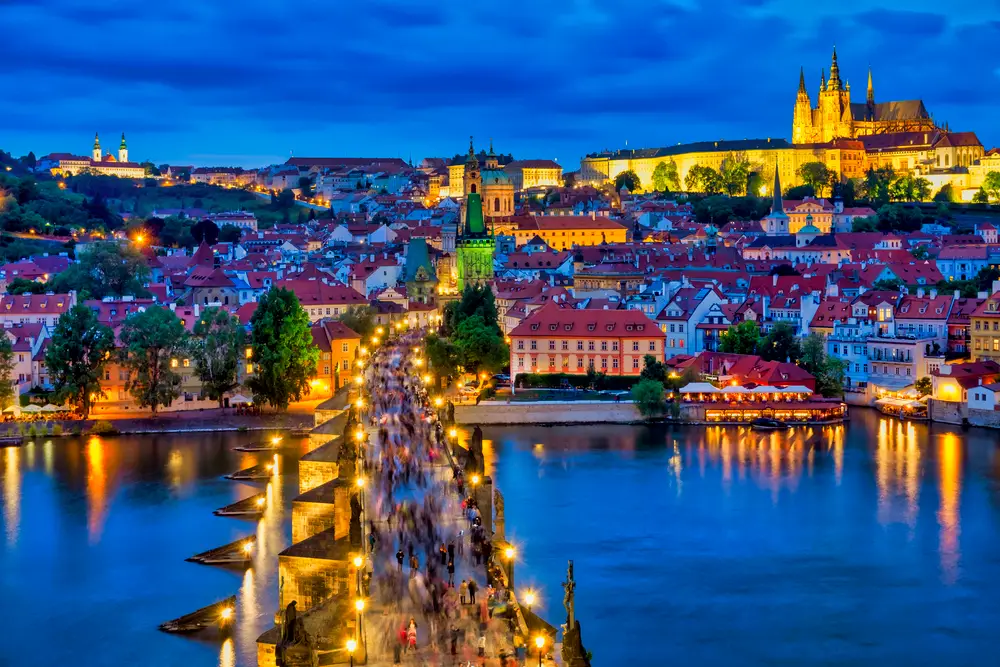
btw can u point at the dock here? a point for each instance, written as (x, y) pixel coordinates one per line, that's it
(252, 507)
(11, 441)
(214, 620)
(239, 552)
(271, 445)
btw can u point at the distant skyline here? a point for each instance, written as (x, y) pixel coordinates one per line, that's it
(192, 83)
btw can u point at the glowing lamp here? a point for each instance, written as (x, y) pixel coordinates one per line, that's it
(352, 646)
(358, 561)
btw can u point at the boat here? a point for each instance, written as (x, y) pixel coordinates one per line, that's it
(11, 441)
(215, 619)
(261, 471)
(764, 424)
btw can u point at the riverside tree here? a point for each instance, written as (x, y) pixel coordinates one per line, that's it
(7, 392)
(76, 356)
(152, 339)
(744, 338)
(216, 349)
(284, 354)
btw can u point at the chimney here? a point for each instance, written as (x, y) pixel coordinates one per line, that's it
(774, 280)
(933, 293)
(920, 293)
(593, 215)
(767, 308)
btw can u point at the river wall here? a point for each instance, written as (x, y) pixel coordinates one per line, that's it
(548, 412)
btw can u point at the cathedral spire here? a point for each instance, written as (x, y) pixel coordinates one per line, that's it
(871, 89)
(822, 79)
(472, 151)
(834, 83)
(491, 146)
(802, 80)
(122, 145)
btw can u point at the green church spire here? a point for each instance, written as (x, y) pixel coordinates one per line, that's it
(474, 225)
(122, 145)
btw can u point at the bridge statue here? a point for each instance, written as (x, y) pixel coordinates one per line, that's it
(573, 652)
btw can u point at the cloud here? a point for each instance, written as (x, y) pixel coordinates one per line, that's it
(552, 77)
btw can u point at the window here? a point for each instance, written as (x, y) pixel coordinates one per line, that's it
(249, 352)
(652, 346)
(614, 346)
(534, 345)
(614, 363)
(590, 346)
(520, 362)
(604, 346)
(520, 344)
(565, 345)
(173, 363)
(579, 363)
(579, 346)
(345, 347)
(552, 345)
(604, 363)
(326, 370)
(635, 346)
(249, 368)
(680, 328)
(635, 363)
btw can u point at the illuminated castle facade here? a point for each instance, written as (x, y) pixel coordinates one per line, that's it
(835, 116)
(68, 164)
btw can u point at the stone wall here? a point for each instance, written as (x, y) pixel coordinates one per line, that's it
(308, 519)
(949, 412)
(987, 418)
(315, 473)
(547, 412)
(310, 581)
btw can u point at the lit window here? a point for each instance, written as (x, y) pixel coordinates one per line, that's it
(173, 363)
(249, 368)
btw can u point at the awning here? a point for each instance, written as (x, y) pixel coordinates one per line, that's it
(53, 408)
(764, 389)
(735, 390)
(31, 407)
(699, 388)
(240, 399)
(796, 389)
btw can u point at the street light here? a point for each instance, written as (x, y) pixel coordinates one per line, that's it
(360, 482)
(428, 379)
(529, 599)
(261, 501)
(453, 433)
(475, 480)
(540, 643)
(438, 402)
(359, 604)
(351, 647)
(360, 403)
(247, 546)
(509, 554)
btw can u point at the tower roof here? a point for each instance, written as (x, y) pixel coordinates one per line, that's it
(417, 256)
(871, 89)
(123, 141)
(472, 153)
(474, 225)
(802, 80)
(97, 141)
(777, 208)
(834, 83)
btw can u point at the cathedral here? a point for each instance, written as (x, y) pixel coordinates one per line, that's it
(835, 116)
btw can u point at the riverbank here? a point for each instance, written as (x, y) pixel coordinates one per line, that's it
(201, 421)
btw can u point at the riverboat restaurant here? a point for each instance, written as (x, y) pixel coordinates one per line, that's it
(736, 404)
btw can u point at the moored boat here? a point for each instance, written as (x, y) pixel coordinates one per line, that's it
(764, 424)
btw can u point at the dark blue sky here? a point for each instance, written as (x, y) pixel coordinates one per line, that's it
(248, 82)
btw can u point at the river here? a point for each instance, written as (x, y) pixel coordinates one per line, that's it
(871, 543)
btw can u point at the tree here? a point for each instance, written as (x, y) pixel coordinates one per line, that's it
(865, 224)
(716, 210)
(733, 173)
(205, 231)
(306, 187)
(7, 391)
(285, 200)
(704, 179)
(653, 369)
(817, 175)
(783, 270)
(284, 354)
(991, 185)
(79, 350)
(230, 234)
(743, 338)
(479, 346)
(920, 252)
(105, 269)
(876, 185)
(25, 286)
(476, 300)
(627, 179)
(441, 355)
(800, 192)
(152, 340)
(781, 344)
(828, 371)
(648, 397)
(665, 176)
(981, 197)
(946, 194)
(360, 320)
(216, 349)
(909, 189)
(924, 386)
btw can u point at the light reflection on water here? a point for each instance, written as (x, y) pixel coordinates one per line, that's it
(102, 529)
(873, 542)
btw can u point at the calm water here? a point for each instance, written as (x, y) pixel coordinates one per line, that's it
(871, 544)
(93, 541)
(876, 543)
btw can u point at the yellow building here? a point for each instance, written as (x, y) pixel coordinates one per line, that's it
(67, 164)
(984, 329)
(527, 174)
(564, 231)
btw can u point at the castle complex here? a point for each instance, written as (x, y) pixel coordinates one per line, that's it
(848, 137)
(68, 164)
